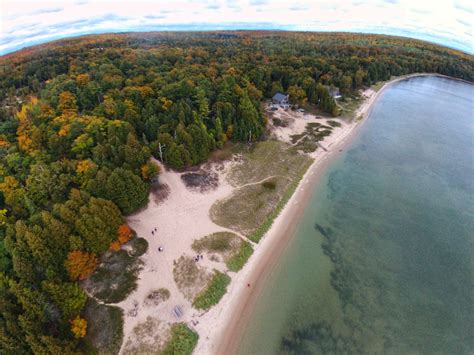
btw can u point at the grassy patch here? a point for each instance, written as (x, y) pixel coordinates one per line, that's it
(238, 260)
(224, 153)
(334, 123)
(265, 226)
(349, 105)
(313, 133)
(104, 328)
(265, 159)
(182, 342)
(148, 337)
(219, 242)
(248, 206)
(234, 250)
(116, 276)
(189, 278)
(155, 297)
(214, 291)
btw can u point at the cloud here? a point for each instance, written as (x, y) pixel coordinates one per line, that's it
(465, 23)
(421, 10)
(464, 6)
(258, 2)
(27, 22)
(299, 7)
(214, 6)
(48, 11)
(154, 17)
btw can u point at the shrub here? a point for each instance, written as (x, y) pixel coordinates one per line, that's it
(182, 342)
(238, 260)
(271, 185)
(216, 242)
(213, 293)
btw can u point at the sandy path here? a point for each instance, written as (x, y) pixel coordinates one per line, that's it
(263, 180)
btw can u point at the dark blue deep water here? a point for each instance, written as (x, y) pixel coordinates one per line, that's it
(383, 259)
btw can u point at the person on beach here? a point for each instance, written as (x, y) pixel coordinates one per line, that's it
(160, 249)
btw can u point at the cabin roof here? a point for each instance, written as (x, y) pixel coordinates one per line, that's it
(279, 96)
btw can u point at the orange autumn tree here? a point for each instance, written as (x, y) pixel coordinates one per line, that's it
(78, 327)
(80, 264)
(124, 234)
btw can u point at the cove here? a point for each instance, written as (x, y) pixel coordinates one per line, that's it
(382, 260)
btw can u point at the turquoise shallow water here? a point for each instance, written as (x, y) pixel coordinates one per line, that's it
(383, 259)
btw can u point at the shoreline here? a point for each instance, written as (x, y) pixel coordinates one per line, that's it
(241, 299)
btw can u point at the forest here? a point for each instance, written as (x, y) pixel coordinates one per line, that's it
(81, 119)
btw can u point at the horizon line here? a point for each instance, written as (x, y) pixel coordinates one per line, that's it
(59, 38)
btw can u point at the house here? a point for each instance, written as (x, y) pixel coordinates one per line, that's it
(281, 99)
(333, 92)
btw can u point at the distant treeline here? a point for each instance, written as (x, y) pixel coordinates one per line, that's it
(81, 118)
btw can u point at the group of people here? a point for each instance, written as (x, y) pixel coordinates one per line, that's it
(160, 248)
(198, 257)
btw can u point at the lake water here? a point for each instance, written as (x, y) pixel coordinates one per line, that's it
(383, 259)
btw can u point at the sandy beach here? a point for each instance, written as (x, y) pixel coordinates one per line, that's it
(174, 222)
(223, 335)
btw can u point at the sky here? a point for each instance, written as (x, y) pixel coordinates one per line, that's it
(25, 23)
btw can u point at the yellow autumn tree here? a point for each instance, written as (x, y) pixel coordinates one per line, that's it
(83, 166)
(165, 103)
(82, 79)
(25, 126)
(67, 102)
(78, 327)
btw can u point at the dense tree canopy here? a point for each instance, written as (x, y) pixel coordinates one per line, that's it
(81, 118)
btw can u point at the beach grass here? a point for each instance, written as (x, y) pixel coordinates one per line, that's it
(219, 242)
(148, 337)
(267, 171)
(156, 297)
(104, 328)
(265, 159)
(248, 206)
(116, 276)
(265, 226)
(214, 291)
(350, 105)
(189, 278)
(238, 260)
(183, 340)
(234, 250)
(315, 132)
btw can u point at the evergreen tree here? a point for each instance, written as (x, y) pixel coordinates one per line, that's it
(126, 190)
